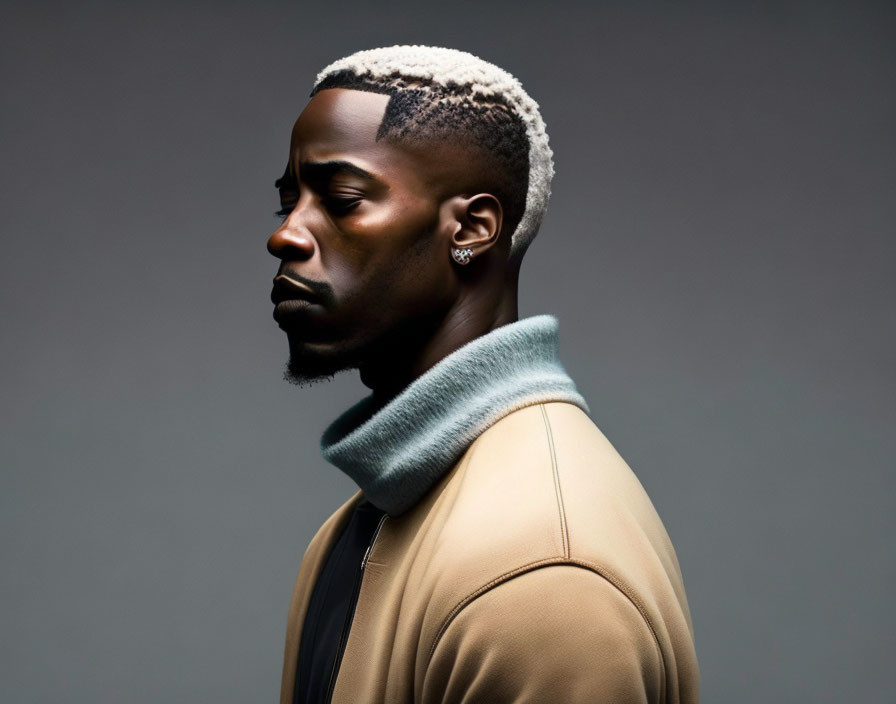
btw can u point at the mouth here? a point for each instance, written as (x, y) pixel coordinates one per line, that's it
(293, 302)
(288, 290)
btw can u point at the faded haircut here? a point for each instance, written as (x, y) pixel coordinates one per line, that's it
(453, 95)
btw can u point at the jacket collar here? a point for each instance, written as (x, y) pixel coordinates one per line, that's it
(396, 452)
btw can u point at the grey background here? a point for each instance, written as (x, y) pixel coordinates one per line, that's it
(719, 250)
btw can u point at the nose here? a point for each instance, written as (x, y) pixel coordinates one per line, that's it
(291, 240)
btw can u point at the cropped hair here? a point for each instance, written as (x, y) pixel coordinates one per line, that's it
(450, 94)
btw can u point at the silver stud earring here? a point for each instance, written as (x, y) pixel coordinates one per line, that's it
(462, 256)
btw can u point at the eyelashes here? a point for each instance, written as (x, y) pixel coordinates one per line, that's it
(337, 206)
(340, 205)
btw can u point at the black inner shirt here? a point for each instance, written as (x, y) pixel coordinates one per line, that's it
(330, 605)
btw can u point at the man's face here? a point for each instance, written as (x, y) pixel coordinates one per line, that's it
(362, 232)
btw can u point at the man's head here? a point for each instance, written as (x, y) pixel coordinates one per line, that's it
(404, 156)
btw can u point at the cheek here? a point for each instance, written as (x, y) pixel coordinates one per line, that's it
(419, 279)
(382, 242)
(390, 261)
(405, 279)
(396, 223)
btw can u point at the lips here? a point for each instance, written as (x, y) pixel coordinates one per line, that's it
(289, 289)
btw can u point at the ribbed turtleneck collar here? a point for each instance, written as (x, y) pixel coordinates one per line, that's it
(396, 452)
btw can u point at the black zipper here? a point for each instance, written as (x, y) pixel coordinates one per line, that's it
(351, 612)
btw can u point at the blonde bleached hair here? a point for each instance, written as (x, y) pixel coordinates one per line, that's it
(432, 87)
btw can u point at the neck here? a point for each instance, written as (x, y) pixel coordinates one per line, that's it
(420, 344)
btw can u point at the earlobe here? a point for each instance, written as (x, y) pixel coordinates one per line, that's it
(462, 256)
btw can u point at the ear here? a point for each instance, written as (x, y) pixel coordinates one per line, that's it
(476, 222)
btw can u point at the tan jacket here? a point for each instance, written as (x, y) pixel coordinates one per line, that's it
(535, 570)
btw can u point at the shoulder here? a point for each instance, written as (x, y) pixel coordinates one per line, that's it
(556, 633)
(545, 484)
(543, 497)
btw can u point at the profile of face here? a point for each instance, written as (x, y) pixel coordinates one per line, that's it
(364, 245)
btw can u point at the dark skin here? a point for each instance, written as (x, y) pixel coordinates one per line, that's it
(368, 228)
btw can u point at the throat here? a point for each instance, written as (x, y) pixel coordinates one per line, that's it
(415, 347)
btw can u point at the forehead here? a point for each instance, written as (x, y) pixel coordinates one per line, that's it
(339, 121)
(340, 124)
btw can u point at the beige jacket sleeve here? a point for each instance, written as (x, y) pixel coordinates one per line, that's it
(555, 634)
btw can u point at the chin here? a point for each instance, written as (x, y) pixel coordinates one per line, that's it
(310, 363)
(302, 378)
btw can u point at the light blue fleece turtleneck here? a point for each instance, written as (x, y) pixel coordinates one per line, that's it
(398, 451)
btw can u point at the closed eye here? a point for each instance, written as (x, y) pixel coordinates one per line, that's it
(337, 206)
(341, 206)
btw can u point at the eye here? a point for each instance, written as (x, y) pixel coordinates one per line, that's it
(341, 206)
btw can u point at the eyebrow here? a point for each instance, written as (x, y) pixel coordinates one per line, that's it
(324, 170)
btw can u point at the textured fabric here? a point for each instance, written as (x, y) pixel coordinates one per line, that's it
(395, 453)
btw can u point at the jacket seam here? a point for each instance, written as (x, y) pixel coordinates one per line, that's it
(547, 562)
(564, 528)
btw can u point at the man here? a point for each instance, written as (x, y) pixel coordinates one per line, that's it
(499, 549)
